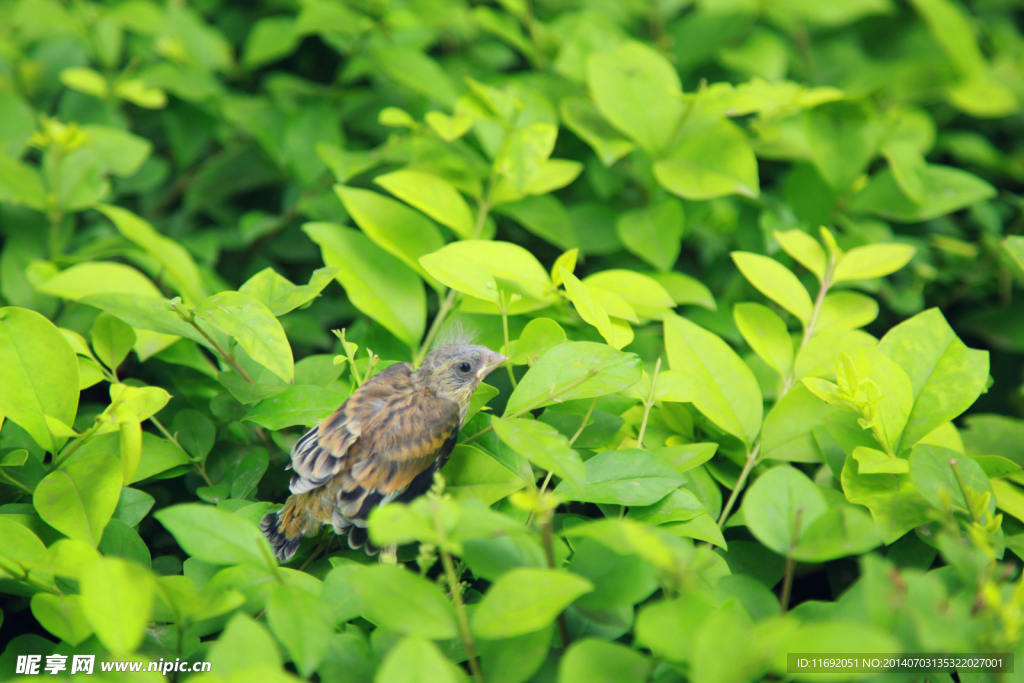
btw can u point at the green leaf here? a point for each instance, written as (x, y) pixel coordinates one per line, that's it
(894, 502)
(627, 537)
(472, 474)
(545, 217)
(776, 282)
(685, 290)
(946, 190)
(629, 477)
(195, 432)
(137, 91)
(839, 532)
(538, 337)
(644, 294)
(416, 660)
(145, 312)
(450, 128)
(253, 326)
(525, 600)
(946, 377)
(133, 505)
(404, 602)
(85, 80)
(394, 227)
(414, 70)
(598, 661)
(280, 295)
(937, 474)
(62, 616)
(544, 445)
(112, 340)
(871, 261)
(670, 627)
(845, 311)
(303, 405)
(874, 461)
(524, 153)
(592, 311)
(432, 195)
(583, 119)
(729, 396)
(620, 581)
(686, 456)
(712, 159)
(302, 623)
(377, 283)
(122, 153)
(843, 138)
(908, 167)
(79, 499)
(514, 660)
(954, 32)
(654, 233)
(269, 40)
(243, 644)
(470, 265)
(116, 598)
(780, 506)
(120, 540)
(158, 456)
(179, 268)
(215, 536)
(38, 373)
(766, 334)
(21, 184)
(805, 249)
(574, 370)
(637, 90)
(996, 466)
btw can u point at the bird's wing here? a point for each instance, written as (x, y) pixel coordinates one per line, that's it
(401, 440)
(324, 450)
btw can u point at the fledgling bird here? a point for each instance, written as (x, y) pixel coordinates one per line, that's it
(383, 444)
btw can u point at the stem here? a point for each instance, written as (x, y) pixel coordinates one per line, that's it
(75, 445)
(826, 282)
(504, 329)
(549, 551)
(225, 356)
(460, 608)
(963, 490)
(481, 216)
(14, 482)
(583, 425)
(740, 483)
(647, 405)
(442, 312)
(787, 585)
(199, 467)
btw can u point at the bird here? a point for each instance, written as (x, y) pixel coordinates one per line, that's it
(383, 444)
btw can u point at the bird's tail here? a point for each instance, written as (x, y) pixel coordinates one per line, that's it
(285, 528)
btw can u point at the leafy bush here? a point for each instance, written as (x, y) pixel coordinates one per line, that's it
(726, 433)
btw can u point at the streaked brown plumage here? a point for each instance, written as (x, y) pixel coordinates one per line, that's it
(383, 444)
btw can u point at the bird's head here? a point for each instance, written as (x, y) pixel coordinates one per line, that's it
(454, 371)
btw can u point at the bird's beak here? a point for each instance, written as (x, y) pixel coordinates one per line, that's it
(493, 361)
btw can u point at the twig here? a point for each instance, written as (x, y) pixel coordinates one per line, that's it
(787, 585)
(647, 405)
(442, 312)
(549, 551)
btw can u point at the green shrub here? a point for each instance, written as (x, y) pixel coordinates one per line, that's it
(714, 237)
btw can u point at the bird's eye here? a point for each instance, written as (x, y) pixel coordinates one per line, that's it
(464, 367)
